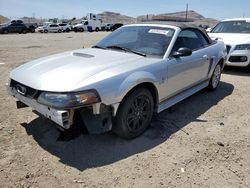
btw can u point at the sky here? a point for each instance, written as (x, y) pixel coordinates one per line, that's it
(218, 9)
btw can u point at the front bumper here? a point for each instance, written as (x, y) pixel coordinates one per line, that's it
(64, 118)
(235, 56)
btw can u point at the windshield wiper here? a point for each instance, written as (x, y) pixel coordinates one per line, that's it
(126, 50)
(100, 47)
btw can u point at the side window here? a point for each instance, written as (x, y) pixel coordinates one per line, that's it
(203, 38)
(86, 23)
(190, 38)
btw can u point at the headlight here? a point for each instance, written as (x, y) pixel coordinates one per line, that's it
(69, 100)
(242, 47)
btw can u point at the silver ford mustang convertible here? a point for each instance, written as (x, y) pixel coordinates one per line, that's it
(121, 81)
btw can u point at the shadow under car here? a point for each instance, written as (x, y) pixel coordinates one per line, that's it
(89, 151)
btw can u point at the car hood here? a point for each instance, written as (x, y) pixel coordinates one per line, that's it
(231, 38)
(64, 72)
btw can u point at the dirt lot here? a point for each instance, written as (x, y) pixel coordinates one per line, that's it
(203, 141)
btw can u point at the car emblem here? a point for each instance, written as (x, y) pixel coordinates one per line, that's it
(21, 89)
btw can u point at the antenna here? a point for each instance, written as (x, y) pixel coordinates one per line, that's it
(186, 12)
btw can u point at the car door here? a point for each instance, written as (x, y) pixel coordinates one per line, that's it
(19, 27)
(188, 71)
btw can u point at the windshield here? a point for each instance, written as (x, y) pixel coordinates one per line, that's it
(148, 40)
(232, 27)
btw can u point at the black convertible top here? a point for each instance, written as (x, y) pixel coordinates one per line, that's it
(183, 26)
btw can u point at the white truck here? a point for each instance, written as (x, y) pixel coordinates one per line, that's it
(91, 20)
(84, 24)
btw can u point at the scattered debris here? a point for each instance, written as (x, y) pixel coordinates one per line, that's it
(222, 124)
(220, 144)
(182, 170)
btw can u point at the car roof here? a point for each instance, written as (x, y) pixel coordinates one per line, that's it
(237, 19)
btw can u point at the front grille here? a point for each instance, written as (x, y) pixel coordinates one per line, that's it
(228, 48)
(235, 59)
(30, 92)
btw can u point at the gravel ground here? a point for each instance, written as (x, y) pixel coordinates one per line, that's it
(201, 142)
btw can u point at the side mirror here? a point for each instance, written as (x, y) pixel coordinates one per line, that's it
(182, 52)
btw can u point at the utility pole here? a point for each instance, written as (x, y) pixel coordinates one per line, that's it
(186, 12)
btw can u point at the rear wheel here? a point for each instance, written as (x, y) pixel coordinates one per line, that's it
(215, 79)
(59, 31)
(67, 30)
(134, 114)
(97, 29)
(81, 29)
(24, 31)
(45, 31)
(5, 31)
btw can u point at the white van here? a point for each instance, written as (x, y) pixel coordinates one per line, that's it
(83, 25)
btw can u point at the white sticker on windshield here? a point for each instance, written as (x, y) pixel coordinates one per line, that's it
(158, 31)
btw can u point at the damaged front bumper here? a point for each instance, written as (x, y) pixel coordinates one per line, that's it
(97, 118)
(64, 118)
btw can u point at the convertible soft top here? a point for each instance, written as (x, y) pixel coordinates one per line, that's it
(183, 26)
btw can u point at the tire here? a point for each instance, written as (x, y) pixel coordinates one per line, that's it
(59, 31)
(45, 31)
(5, 31)
(81, 29)
(97, 29)
(134, 114)
(24, 31)
(67, 30)
(215, 79)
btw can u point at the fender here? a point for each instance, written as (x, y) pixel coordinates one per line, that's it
(133, 80)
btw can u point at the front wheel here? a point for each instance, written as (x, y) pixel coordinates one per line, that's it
(215, 79)
(134, 114)
(5, 31)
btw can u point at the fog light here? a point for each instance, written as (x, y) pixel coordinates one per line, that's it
(243, 59)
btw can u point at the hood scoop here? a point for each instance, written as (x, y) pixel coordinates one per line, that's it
(82, 55)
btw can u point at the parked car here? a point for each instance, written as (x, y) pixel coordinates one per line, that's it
(65, 27)
(119, 83)
(31, 26)
(52, 28)
(236, 34)
(108, 26)
(115, 26)
(40, 28)
(84, 24)
(13, 28)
